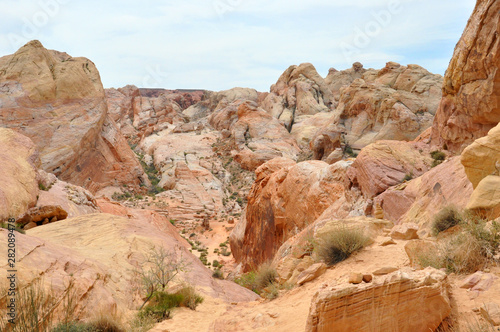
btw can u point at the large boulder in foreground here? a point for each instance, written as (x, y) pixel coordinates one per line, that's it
(470, 106)
(401, 301)
(59, 102)
(18, 174)
(285, 198)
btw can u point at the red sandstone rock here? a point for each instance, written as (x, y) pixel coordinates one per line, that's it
(470, 105)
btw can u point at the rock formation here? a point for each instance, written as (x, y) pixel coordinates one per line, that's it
(401, 301)
(470, 107)
(285, 198)
(387, 163)
(59, 102)
(18, 174)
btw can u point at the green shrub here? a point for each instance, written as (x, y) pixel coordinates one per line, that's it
(266, 276)
(340, 244)
(247, 280)
(17, 227)
(438, 155)
(446, 218)
(218, 274)
(72, 327)
(408, 177)
(215, 263)
(190, 298)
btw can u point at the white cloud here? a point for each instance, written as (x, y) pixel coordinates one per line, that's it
(249, 44)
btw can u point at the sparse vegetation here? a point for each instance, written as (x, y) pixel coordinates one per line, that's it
(260, 279)
(445, 219)
(340, 244)
(408, 177)
(218, 274)
(159, 269)
(466, 251)
(438, 156)
(17, 227)
(162, 303)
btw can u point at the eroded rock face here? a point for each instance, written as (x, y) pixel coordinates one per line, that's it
(18, 174)
(401, 301)
(100, 252)
(470, 105)
(386, 163)
(299, 91)
(282, 203)
(482, 158)
(394, 103)
(257, 136)
(421, 198)
(59, 102)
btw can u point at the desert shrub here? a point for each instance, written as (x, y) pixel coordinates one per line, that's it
(72, 327)
(438, 157)
(408, 177)
(247, 280)
(258, 280)
(467, 251)
(160, 268)
(102, 323)
(34, 307)
(446, 218)
(266, 276)
(271, 292)
(17, 227)
(190, 298)
(341, 243)
(162, 303)
(218, 274)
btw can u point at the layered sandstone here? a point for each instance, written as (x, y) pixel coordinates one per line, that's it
(386, 163)
(59, 102)
(257, 136)
(284, 199)
(400, 301)
(470, 107)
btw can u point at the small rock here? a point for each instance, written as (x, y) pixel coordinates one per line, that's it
(46, 221)
(355, 278)
(313, 272)
(406, 231)
(385, 270)
(30, 225)
(387, 241)
(230, 221)
(491, 312)
(471, 280)
(367, 278)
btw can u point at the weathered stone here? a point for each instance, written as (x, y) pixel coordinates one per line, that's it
(486, 197)
(401, 303)
(470, 107)
(385, 270)
(406, 231)
(491, 312)
(313, 272)
(355, 278)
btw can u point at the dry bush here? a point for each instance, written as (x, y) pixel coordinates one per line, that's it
(446, 218)
(341, 243)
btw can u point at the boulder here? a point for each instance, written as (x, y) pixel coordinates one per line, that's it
(18, 174)
(281, 204)
(41, 213)
(407, 231)
(416, 301)
(482, 158)
(486, 197)
(469, 107)
(59, 102)
(313, 272)
(421, 198)
(386, 163)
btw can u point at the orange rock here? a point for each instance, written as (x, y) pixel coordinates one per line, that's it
(470, 107)
(59, 102)
(283, 203)
(414, 302)
(18, 174)
(386, 163)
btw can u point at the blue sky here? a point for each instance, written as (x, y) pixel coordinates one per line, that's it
(220, 44)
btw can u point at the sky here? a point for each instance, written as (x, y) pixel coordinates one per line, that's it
(221, 44)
